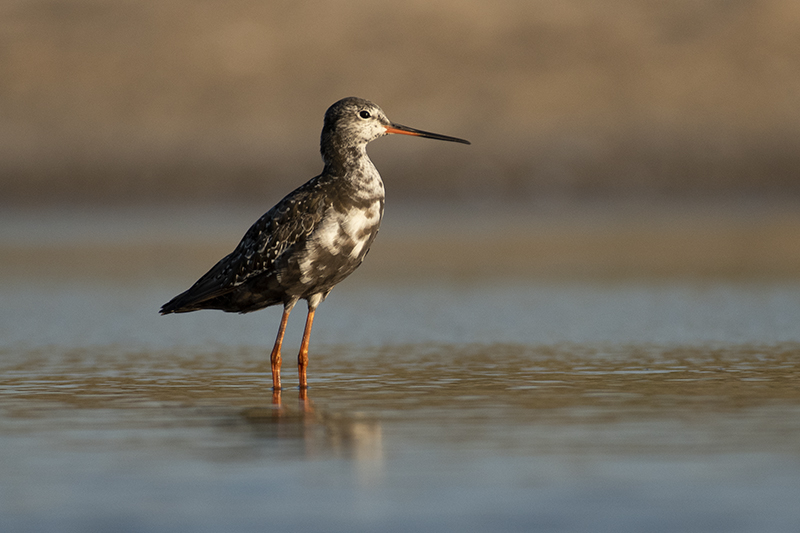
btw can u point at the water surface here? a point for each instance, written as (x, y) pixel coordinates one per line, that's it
(451, 400)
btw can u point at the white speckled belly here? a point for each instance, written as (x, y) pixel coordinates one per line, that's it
(359, 226)
(344, 236)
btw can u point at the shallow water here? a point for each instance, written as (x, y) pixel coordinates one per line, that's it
(478, 403)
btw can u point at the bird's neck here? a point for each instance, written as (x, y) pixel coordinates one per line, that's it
(336, 155)
(354, 166)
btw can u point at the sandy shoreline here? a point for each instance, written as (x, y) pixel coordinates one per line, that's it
(568, 243)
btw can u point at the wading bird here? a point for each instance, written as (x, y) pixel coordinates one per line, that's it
(313, 238)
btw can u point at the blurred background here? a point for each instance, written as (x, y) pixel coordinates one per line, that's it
(585, 319)
(141, 101)
(624, 138)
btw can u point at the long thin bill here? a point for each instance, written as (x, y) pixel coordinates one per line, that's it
(405, 130)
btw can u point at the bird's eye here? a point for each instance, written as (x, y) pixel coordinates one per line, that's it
(364, 114)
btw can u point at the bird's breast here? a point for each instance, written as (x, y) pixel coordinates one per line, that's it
(347, 232)
(341, 240)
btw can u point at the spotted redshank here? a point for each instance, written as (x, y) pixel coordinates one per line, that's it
(313, 238)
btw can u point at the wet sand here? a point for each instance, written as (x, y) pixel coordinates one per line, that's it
(592, 241)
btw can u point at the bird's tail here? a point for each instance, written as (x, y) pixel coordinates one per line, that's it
(183, 303)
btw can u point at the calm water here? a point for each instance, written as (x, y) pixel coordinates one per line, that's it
(436, 403)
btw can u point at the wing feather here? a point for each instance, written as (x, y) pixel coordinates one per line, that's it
(281, 228)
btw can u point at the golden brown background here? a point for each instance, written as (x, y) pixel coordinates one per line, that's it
(166, 100)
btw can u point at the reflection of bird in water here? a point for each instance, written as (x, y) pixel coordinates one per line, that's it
(313, 238)
(323, 433)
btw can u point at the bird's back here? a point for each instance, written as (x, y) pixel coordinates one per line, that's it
(311, 240)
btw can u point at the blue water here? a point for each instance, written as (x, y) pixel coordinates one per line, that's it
(436, 404)
(369, 313)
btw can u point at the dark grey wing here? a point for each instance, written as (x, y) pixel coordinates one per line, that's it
(283, 227)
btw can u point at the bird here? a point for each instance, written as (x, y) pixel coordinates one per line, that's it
(313, 238)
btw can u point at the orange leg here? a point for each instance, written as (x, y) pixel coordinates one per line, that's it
(275, 357)
(302, 357)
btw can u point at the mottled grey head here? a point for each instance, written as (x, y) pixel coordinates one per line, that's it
(352, 122)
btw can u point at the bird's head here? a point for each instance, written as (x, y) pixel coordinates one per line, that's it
(353, 122)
